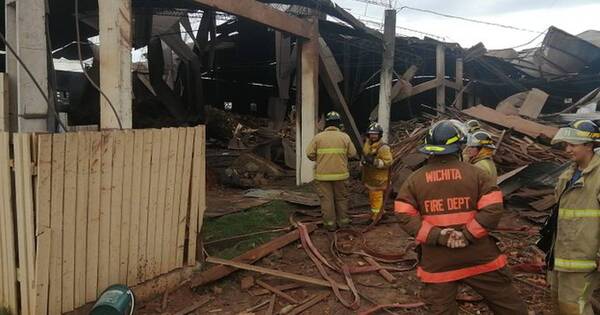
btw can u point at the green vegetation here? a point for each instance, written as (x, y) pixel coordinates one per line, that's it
(267, 217)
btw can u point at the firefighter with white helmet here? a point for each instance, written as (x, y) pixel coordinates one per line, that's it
(480, 150)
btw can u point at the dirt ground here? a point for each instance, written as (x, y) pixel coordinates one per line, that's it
(228, 298)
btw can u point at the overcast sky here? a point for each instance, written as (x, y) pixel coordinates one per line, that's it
(573, 16)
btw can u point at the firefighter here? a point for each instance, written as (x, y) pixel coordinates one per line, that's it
(574, 265)
(377, 159)
(479, 152)
(330, 150)
(449, 207)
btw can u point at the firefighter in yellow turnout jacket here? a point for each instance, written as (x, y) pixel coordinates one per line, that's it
(480, 151)
(376, 164)
(575, 265)
(330, 150)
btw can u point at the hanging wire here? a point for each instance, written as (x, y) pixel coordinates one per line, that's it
(85, 73)
(35, 82)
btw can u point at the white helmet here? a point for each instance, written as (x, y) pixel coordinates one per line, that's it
(480, 139)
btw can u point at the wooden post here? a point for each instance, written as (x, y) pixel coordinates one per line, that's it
(115, 62)
(25, 31)
(4, 103)
(440, 63)
(387, 72)
(459, 83)
(309, 55)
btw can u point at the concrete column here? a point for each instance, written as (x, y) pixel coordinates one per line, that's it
(26, 32)
(308, 109)
(115, 62)
(387, 72)
(440, 63)
(459, 83)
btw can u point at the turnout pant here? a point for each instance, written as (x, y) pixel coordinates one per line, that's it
(334, 202)
(376, 200)
(571, 291)
(495, 287)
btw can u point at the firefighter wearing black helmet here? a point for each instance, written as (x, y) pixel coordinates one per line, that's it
(330, 150)
(377, 160)
(449, 207)
(574, 225)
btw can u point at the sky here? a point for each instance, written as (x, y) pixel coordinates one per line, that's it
(572, 16)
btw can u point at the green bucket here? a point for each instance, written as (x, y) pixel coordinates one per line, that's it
(116, 300)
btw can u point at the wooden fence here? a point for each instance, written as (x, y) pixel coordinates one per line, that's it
(82, 211)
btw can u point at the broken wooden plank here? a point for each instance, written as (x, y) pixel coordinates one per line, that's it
(275, 273)
(271, 308)
(194, 306)
(316, 300)
(281, 294)
(284, 287)
(251, 256)
(521, 125)
(533, 104)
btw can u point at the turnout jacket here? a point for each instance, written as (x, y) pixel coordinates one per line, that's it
(449, 193)
(376, 176)
(330, 150)
(485, 161)
(577, 242)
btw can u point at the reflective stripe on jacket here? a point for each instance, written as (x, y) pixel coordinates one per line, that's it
(330, 150)
(577, 241)
(449, 193)
(374, 177)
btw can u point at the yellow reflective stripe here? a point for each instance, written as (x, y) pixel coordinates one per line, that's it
(434, 148)
(452, 140)
(574, 264)
(331, 151)
(329, 177)
(578, 213)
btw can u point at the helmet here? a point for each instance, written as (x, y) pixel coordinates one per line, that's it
(333, 116)
(480, 139)
(443, 138)
(578, 132)
(462, 130)
(473, 125)
(375, 128)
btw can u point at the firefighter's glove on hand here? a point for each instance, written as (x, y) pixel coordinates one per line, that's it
(452, 239)
(368, 160)
(378, 163)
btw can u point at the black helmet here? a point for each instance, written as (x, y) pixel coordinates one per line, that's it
(376, 129)
(333, 116)
(443, 138)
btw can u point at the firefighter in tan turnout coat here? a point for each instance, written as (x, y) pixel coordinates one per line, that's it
(330, 150)
(449, 207)
(576, 247)
(376, 167)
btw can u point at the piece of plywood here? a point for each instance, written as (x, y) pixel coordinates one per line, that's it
(81, 216)
(169, 212)
(106, 183)
(162, 196)
(56, 223)
(147, 184)
(533, 104)
(136, 191)
(196, 193)
(185, 194)
(93, 218)
(69, 213)
(524, 126)
(43, 230)
(181, 135)
(153, 204)
(126, 205)
(116, 206)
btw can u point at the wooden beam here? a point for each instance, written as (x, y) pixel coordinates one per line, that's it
(328, 76)
(309, 103)
(401, 90)
(387, 72)
(4, 103)
(459, 81)
(115, 63)
(251, 256)
(262, 13)
(440, 73)
(273, 272)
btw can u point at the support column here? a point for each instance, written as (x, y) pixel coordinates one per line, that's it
(115, 62)
(387, 72)
(26, 32)
(459, 83)
(309, 100)
(440, 63)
